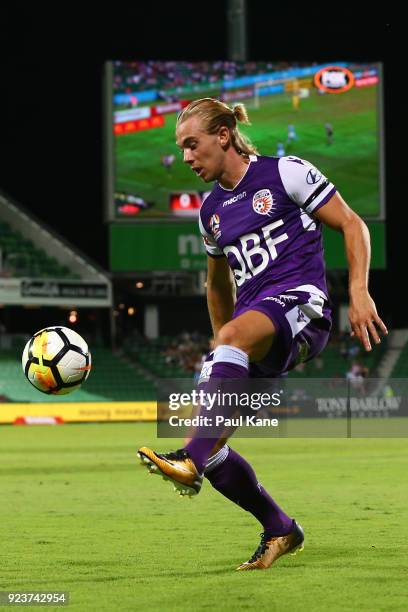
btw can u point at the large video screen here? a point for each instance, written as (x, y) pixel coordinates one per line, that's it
(329, 114)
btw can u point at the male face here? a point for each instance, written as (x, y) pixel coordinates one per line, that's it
(203, 152)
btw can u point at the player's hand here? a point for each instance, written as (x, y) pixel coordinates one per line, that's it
(364, 319)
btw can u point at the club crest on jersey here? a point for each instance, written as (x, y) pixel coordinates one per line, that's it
(262, 202)
(215, 226)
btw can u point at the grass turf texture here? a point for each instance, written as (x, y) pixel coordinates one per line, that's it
(79, 514)
(351, 162)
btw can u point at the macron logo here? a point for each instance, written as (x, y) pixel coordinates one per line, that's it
(234, 199)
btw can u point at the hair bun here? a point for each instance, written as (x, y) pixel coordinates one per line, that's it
(240, 113)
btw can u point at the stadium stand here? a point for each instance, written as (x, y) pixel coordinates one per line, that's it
(116, 378)
(132, 375)
(166, 357)
(336, 362)
(161, 74)
(113, 378)
(30, 249)
(152, 356)
(21, 258)
(400, 369)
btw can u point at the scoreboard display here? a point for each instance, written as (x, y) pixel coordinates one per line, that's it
(185, 204)
(329, 114)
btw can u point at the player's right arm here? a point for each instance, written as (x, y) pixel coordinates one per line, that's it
(220, 293)
(220, 287)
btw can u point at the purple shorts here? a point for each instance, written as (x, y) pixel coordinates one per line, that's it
(302, 321)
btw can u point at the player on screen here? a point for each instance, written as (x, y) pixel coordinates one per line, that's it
(167, 161)
(329, 133)
(280, 150)
(295, 95)
(292, 136)
(262, 221)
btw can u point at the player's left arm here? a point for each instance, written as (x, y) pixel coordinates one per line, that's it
(363, 314)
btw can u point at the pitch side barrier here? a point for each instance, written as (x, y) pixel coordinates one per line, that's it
(61, 412)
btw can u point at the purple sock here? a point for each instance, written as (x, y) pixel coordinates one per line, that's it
(229, 363)
(236, 480)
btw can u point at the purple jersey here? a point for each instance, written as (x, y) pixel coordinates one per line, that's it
(263, 226)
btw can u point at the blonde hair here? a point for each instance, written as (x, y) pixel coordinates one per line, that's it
(215, 114)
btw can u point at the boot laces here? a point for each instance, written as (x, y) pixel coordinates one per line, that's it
(263, 546)
(177, 455)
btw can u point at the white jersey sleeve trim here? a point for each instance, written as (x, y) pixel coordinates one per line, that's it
(304, 183)
(210, 245)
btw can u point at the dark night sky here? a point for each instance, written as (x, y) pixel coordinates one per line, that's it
(51, 108)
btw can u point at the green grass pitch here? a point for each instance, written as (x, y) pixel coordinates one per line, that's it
(78, 513)
(351, 162)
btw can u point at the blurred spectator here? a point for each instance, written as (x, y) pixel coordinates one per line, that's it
(170, 77)
(300, 367)
(188, 351)
(318, 362)
(349, 349)
(356, 376)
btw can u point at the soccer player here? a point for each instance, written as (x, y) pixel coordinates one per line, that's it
(292, 136)
(167, 161)
(280, 150)
(262, 220)
(329, 133)
(295, 95)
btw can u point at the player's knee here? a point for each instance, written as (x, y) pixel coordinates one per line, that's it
(229, 334)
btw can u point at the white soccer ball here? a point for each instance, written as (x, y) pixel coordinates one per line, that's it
(56, 360)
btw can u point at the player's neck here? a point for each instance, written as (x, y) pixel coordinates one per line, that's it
(234, 170)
